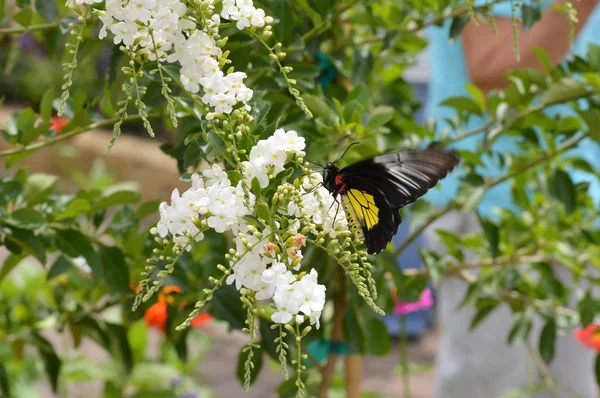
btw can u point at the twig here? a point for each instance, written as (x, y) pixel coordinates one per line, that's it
(542, 369)
(74, 132)
(513, 259)
(27, 29)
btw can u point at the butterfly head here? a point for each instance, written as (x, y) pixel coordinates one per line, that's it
(330, 173)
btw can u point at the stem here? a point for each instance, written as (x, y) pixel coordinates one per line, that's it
(74, 132)
(543, 370)
(404, 357)
(517, 117)
(337, 334)
(353, 375)
(27, 29)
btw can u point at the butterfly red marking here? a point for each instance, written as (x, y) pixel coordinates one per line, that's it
(340, 183)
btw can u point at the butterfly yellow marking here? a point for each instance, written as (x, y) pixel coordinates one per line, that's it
(361, 211)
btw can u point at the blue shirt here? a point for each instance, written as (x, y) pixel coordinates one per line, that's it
(449, 77)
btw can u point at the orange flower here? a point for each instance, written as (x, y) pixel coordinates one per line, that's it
(58, 122)
(156, 315)
(589, 337)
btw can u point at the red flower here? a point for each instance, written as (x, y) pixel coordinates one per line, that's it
(58, 122)
(156, 315)
(589, 337)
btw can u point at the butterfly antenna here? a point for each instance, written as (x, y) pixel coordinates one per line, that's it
(344, 154)
(311, 162)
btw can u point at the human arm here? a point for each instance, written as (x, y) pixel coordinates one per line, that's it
(489, 56)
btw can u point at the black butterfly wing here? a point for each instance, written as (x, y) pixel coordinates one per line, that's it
(401, 177)
(371, 217)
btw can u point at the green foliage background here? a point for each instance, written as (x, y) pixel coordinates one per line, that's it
(348, 59)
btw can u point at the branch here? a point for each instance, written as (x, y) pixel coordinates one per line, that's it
(27, 29)
(498, 261)
(74, 132)
(509, 295)
(542, 369)
(568, 144)
(517, 117)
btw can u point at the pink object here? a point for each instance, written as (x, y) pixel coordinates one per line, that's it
(424, 302)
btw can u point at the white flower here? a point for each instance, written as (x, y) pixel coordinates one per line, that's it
(124, 32)
(311, 292)
(277, 275)
(140, 10)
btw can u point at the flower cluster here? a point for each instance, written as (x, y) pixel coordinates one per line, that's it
(220, 205)
(268, 157)
(244, 13)
(267, 262)
(166, 31)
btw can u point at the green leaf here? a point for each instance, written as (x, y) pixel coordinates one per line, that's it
(565, 90)
(24, 16)
(226, 306)
(544, 59)
(28, 242)
(120, 345)
(15, 158)
(52, 362)
(485, 306)
(25, 219)
(592, 119)
(46, 104)
(530, 15)
(75, 207)
(597, 369)
(434, 266)
(257, 361)
(4, 384)
(563, 189)
(319, 107)
(262, 211)
(472, 201)
(477, 94)
(33, 134)
(587, 309)
(457, 26)
(114, 199)
(137, 334)
(60, 266)
(38, 187)
(492, 233)
(361, 94)
(148, 209)
(463, 104)
(215, 141)
(116, 272)
(75, 244)
(378, 339)
(9, 264)
(354, 332)
(548, 341)
(593, 55)
(380, 116)
(47, 9)
(521, 328)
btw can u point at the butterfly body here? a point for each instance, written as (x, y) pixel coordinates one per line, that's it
(373, 190)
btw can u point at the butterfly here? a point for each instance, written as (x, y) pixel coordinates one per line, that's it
(373, 190)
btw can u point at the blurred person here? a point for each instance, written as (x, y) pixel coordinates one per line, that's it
(479, 364)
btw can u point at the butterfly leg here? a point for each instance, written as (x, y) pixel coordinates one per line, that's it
(313, 189)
